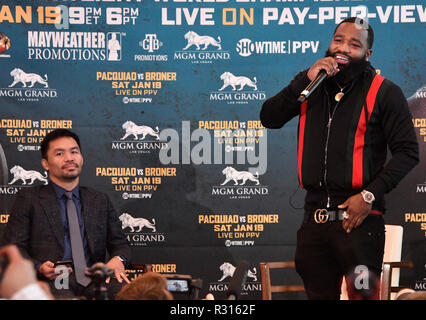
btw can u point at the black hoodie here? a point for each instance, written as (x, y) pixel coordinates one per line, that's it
(341, 157)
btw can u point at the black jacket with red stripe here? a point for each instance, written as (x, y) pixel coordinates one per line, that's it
(340, 157)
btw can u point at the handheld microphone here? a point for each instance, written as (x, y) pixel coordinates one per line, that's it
(313, 85)
(238, 280)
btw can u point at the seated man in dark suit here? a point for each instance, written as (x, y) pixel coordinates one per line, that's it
(65, 221)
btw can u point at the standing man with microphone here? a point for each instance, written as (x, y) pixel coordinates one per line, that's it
(347, 121)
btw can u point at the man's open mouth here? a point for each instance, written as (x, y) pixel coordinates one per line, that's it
(342, 59)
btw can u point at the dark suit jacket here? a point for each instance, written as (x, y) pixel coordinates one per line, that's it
(35, 225)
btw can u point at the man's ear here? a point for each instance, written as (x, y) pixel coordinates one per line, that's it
(368, 54)
(45, 164)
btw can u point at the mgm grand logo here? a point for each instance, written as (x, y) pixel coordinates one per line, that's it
(5, 190)
(202, 49)
(28, 86)
(239, 189)
(421, 285)
(134, 228)
(22, 178)
(237, 89)
(421, 188)
(227, 269)
(138, 144)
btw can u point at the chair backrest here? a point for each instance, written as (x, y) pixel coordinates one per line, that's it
(393, 243)
(265, 277)
(393, 249)
(392, 253)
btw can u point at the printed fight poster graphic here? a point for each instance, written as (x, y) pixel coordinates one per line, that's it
(165, 96)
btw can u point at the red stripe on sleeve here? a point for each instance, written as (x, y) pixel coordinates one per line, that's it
(358, 153)
(302, 121)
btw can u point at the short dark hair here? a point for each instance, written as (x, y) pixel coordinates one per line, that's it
(53, 135)
(364, 24)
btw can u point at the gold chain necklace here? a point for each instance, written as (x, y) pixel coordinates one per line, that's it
(340, 94)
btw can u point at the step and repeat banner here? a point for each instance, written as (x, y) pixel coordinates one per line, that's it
(165, 96)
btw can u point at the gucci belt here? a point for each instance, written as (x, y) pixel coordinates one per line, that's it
(323, 215)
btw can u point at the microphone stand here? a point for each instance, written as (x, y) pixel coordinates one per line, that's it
(99, 273)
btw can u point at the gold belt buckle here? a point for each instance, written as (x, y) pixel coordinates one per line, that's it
(321, 216)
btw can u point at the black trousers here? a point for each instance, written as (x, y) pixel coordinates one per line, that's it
(325, 253)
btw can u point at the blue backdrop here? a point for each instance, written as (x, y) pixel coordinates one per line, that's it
(137, 80)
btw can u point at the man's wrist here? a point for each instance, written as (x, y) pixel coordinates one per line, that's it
(368, 196)
(122, 259)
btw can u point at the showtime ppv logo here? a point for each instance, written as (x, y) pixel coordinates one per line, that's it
(246, 47)
(80, 46)
(204, 49)
(237, 89)
(227, 269)
(239, 189)
(133, 230)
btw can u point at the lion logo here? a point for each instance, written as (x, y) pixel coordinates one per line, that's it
(127, 221)
(196, 40)
(230, 80)
(132, 129)
(232, 174)
(20, 76)
(20, 173)
(228, 271)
